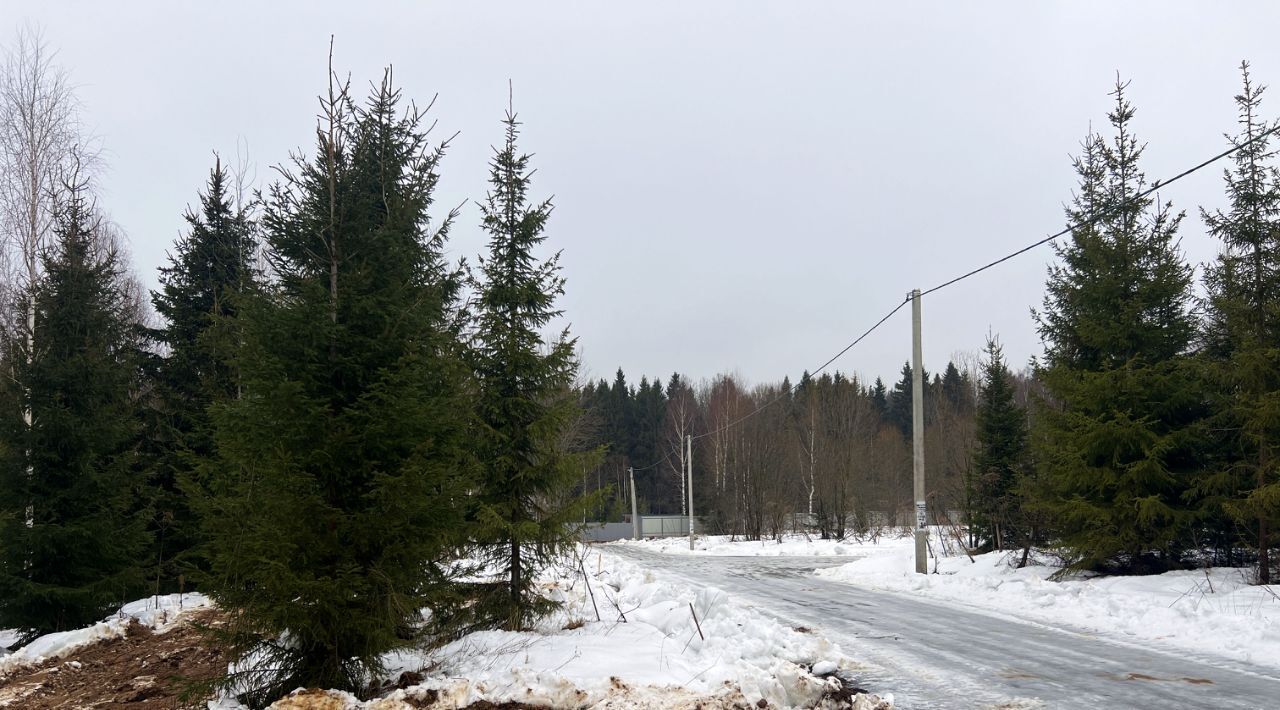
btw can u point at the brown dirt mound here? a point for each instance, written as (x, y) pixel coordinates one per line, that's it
(141, 670)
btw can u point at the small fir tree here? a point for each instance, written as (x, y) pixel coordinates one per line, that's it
(999, 456)
(526, 517)
(71, 542)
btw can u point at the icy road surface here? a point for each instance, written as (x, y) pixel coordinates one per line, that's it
(935, 655)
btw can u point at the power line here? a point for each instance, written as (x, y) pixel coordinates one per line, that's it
(787, 389)
(1094, 219)
(660, 461)
(1108, 212)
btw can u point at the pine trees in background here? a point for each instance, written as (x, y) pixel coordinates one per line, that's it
(337, 489)
(70, 539)
(879, 396)
(525, 511)
(1120, 444)
(999, 456)
(898, 411)
(211, 265)
(1242, 332)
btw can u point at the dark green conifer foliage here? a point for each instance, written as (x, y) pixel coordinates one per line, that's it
(1242, 339)
(210, 266)
(879, 397)
(1121, 447)
(526, 514)
(1000, 455)
(71, 540)
(956, 390)
(898, 410)
(651, 409)
(337, 488)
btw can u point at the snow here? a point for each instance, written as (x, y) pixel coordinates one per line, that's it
(158, 613)
(656, 658)
(1204, 611)
(1212, 611)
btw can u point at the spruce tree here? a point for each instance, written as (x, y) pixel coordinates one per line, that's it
(210, 266)
(70, 539)
(526, 516)
(1242, 338)
(999, 455)
(336, 493)
(956, 390)
(1120, 444)
(879, 397)
(898, 411)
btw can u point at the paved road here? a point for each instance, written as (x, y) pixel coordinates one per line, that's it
(931, 655)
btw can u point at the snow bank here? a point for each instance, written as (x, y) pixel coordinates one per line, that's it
(1210, 611)
(655, 658)
(158, 613)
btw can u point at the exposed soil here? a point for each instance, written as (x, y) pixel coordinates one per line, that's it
(145, 670)
(141, 670)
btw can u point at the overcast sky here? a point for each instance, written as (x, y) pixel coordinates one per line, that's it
(739, 186)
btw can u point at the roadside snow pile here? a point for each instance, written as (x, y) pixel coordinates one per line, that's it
(790, 545)
(1203, 611)
(658, 657)
(156, 613)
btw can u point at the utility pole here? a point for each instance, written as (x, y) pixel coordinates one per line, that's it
(688, 442)
(917, 437)
(635, 518)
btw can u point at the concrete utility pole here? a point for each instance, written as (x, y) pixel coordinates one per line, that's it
(635, 518)
(688, 441)
(917, 437)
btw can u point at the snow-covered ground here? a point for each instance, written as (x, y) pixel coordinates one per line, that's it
(645, 651)
(655, 658)
(157, 613)
(1212, 611)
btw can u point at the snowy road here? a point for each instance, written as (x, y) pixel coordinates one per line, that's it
(936, 655)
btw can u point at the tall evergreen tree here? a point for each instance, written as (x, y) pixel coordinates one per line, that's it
(337, 486)
(1242, 336)
(525, 517)
(210, 266)
(1120, 448)
(69, 546)
(1000, 454)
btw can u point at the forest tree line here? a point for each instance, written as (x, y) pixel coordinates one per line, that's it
(830, 452)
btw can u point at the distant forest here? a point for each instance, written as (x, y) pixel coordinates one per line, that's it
(830, 451)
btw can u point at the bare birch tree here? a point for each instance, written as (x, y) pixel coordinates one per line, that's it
(42, 140)
(681, 415)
